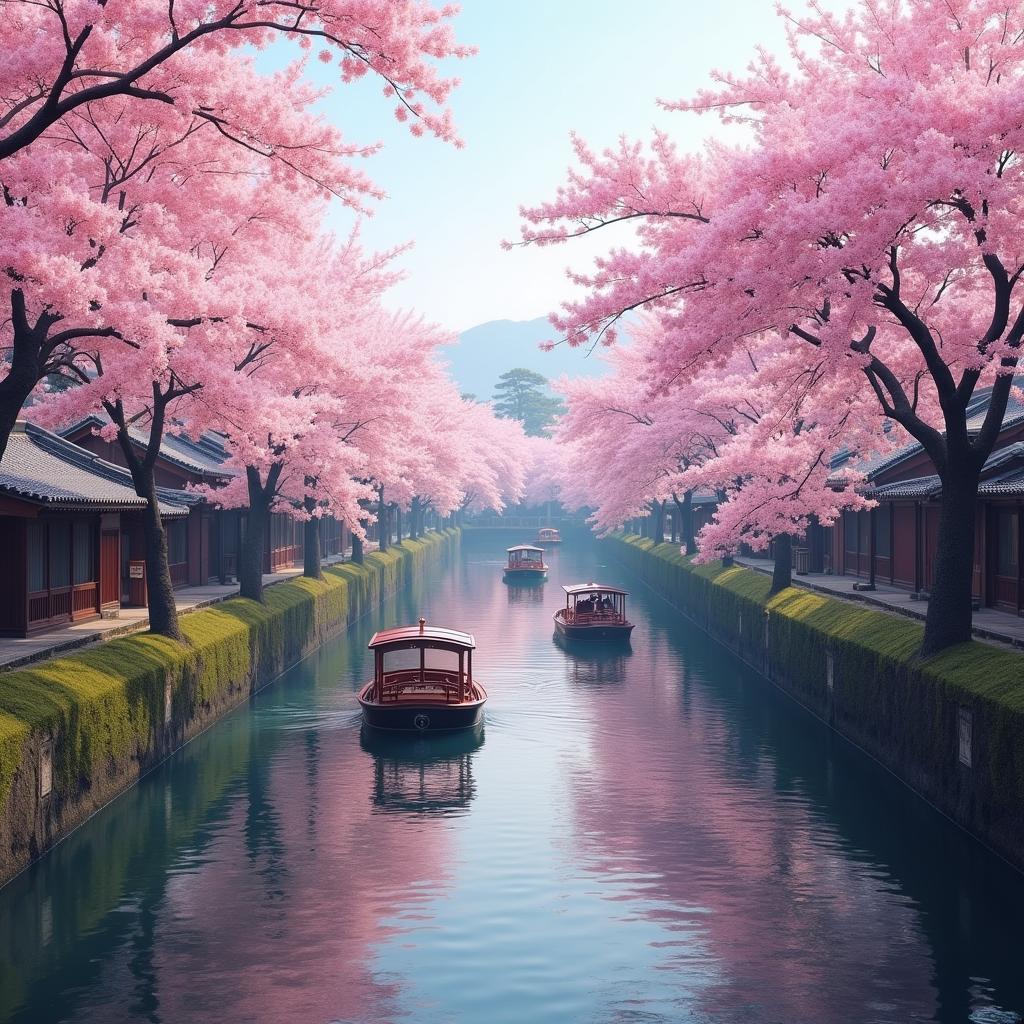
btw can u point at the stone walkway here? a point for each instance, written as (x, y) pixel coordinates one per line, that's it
(989, 624)
(15, 651)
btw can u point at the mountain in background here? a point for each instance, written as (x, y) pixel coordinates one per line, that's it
(483, 353)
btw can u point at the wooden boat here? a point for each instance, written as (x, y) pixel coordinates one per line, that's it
(547, 535)
(593, 611)
(422, 680)
(525, 563)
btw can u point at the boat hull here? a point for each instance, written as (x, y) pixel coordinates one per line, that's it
(425, 717)
(526, 574)
(594, 632)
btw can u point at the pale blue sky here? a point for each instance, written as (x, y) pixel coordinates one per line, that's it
(545, 67)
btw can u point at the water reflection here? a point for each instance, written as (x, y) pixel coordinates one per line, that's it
(594, 664)
(525, 592)
(649, 833)
(422, 774)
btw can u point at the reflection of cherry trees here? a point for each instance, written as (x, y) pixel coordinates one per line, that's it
(714, 802)
(319, 872)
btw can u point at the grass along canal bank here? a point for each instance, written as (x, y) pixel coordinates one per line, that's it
(951, 727)
(77, 731)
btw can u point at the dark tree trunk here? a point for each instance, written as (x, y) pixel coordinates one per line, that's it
(163, 611)
(950, 614)
(311, 536)
(415, 524)
(311, 549)
(357, 549)
(782, 575)
(250, 561)
(658, 521)
(685, 508)
(25, 369)
(383, 528)
(12, 400)
(398, 523)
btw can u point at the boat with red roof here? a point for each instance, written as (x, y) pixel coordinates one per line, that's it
(525, 562)
(593, 611)
(422, 680)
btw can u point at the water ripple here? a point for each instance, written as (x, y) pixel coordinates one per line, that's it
(642, 834)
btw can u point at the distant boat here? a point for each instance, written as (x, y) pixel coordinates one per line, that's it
(593, 611)
(422, 680)
(525, 562)
(547, 535)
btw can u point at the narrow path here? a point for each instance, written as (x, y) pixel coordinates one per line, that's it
(988, 623)
(18, 651)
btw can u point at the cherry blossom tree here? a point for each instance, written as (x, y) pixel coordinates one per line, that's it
(183, 56)
(141, 147)
(111, 112)
(873, 216)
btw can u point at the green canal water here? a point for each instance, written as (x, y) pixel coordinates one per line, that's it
(641, 835)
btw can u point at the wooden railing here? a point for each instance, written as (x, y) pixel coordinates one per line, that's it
(85, 598)
(285, 557)
(179, 574)
(46, 605)
(590, 618)
(433, 686)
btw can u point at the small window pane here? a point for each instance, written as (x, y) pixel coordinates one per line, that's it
(850, 531)
(177, 542)
(1007, 553)
(402, 659)
(60, 555)
(84, 553)
(36, 557)
(882, 532)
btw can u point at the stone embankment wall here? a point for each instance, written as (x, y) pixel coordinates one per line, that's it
(951, 727)
(77, 731)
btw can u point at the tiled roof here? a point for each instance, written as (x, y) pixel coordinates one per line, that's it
(1010, 485)
(874, 465)
(44, 468)
(1002, 476)
(918, 487)
(205, 457)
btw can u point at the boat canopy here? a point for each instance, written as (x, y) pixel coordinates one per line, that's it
(525, 547)
(428, 636)
(593, 588)
(547, 531)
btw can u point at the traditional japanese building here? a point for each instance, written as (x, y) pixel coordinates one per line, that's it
(204, 549)
(895, 542)
(63, 512)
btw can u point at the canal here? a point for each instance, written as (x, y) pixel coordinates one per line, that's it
(650, 834)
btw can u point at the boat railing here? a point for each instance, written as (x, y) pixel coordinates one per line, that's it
(591, 618)
(431, 685)
(527, 563)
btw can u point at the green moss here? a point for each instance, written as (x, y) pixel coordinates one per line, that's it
(976, 668)
(882, 696)
(107, 703)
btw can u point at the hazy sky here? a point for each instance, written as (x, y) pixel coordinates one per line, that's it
(545, 67)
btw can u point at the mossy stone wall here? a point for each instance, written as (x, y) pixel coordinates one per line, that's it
(91, 723)
(856, 668)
